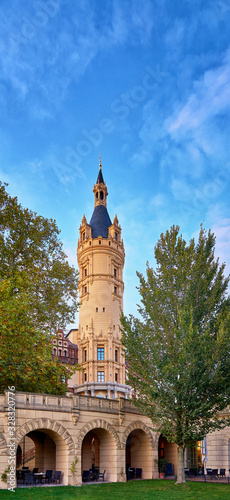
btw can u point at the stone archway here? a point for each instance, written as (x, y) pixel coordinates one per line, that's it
(45, 423)
(137, 425)
(139, 444)
(53, 444)
(97, 424)
(102, 436)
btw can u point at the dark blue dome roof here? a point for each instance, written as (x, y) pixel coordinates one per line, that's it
(100, 222)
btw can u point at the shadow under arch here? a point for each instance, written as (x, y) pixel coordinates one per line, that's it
(138, 443)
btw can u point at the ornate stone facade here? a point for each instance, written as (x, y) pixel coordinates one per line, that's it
(63, 428)
(101, 258)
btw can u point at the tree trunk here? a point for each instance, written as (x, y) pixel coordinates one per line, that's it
(180, 465)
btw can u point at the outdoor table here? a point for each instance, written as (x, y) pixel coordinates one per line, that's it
(38, 476)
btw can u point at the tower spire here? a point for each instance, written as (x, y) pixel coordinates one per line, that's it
(99, 182)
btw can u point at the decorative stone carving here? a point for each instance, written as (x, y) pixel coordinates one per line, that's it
(121, 417)
(75, 416)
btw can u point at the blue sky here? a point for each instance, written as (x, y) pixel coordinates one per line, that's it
(146, 83)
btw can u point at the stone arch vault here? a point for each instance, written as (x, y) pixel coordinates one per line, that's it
(47, 424)
(97, 424)
(135, 426)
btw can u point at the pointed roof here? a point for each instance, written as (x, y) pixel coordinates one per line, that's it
(100, 222)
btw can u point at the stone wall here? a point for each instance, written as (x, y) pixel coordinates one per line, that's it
(62, 428)
(65, 421)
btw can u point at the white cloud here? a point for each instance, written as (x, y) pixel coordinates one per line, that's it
(210, 96)
(41, 61)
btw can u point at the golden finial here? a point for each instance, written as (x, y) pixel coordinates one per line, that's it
(100, 162)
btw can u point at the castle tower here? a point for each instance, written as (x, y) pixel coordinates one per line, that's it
(101, 258)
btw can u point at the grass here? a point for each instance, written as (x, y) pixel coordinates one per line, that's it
(146, 490)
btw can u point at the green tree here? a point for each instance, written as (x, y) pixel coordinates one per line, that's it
(178, 354)
(38, 293)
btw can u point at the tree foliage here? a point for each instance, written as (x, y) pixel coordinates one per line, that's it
(179, 353)
(38, 293)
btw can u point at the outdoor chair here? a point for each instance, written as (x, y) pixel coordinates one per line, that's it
(35, 469)
(56, 477)
(101, 475)
(214, 473)
(222, 473)
(20, 475)
(24, 470)
(48, 476)
(29, 478)
(169, 471)
(94, 473)
(138, 473)
(130, 473)
(86, 476)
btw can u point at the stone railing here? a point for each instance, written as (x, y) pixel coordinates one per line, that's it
(43, 401)
(47, 402)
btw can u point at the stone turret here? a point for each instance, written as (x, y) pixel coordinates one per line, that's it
(101, 258)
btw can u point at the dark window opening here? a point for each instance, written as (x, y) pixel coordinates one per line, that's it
(101, 195)
(85, 375)
(96, 309)
(83, 236)
(85, 289)
(115, 272)
(116, 377)
(85, 272)
(115, 289)
(115, 236)
(99, 242)
(85, 355)
(116, 355)
(103, 309)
